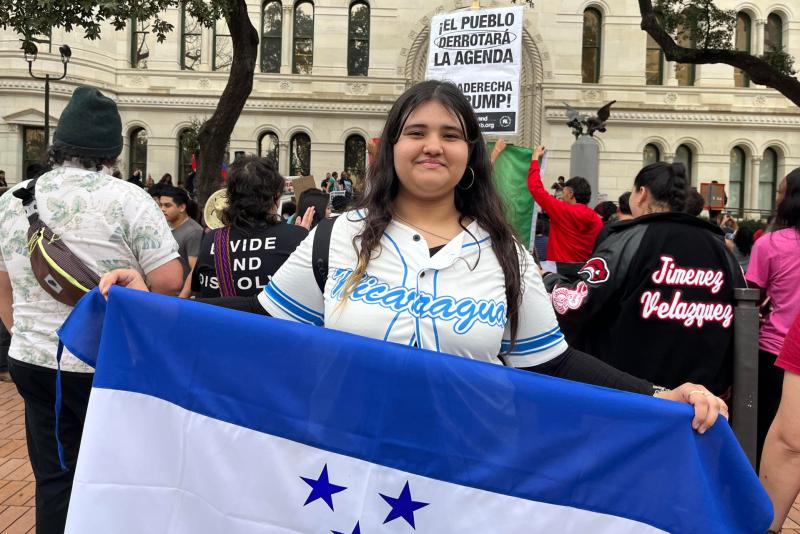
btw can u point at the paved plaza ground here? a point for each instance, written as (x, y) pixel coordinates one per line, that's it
(16, 479)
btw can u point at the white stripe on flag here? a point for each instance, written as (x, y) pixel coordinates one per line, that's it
(154, 467)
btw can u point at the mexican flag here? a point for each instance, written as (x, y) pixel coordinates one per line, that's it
(511, 179)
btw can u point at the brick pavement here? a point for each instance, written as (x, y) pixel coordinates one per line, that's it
(16, 478)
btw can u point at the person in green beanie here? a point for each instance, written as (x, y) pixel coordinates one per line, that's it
(107, 223)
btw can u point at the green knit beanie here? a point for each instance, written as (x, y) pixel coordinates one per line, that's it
(90, 125)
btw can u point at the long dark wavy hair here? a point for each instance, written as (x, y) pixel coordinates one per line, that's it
(479, 201)
(787, 214)
(254, 186)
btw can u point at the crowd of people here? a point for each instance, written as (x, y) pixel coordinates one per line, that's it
(640, 297)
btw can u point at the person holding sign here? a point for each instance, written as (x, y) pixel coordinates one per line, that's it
(429, 260)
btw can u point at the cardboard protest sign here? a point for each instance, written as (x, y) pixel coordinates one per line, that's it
(301, 184)
(480, 51)
(714, 195)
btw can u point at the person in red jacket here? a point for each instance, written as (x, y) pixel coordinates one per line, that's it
(573, 224)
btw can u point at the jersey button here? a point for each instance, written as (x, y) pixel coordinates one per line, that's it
(422, 274)
(416, 237)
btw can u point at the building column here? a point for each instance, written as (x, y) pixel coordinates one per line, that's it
(286, 38)
(162, 157)
(283, 157)
(207, 49)
(669, 158)
(758, 49)
(751, 193)
(670, 79)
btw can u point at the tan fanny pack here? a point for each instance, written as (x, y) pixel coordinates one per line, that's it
(57, 269)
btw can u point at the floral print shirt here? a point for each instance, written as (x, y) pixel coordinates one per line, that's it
(106, 222)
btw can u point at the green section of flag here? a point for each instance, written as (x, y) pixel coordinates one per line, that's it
(511, 179)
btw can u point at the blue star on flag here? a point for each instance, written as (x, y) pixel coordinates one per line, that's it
(321, 488)
(403, 506)
(356, 530)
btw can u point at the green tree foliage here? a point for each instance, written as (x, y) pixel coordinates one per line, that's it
(708, 27)
(712, 31)
(33, 18)
(709, 31)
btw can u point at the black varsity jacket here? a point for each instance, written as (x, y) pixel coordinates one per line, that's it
(656, 300)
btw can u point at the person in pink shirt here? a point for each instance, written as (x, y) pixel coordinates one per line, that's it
(775, 270)
(780, 464)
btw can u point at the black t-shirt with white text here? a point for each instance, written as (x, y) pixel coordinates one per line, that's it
(255, 256)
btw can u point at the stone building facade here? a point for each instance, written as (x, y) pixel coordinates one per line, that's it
(326, 78)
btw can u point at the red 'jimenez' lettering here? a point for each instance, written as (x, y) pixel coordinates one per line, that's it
(672, 275)
(690, 313)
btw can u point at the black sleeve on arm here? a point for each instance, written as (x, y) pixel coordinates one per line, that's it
(573, 364)
(246, 304)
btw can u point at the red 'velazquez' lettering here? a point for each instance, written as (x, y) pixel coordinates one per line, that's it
(689, 313)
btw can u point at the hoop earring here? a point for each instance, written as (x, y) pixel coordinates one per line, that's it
(472, 182)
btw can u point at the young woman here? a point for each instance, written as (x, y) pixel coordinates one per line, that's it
(774, 268)
(780, 463)
(429, 260)
(241, 257)
(656, 299)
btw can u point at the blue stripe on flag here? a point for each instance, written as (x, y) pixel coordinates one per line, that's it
(444, 417)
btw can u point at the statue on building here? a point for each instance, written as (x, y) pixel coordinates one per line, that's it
(584, 125)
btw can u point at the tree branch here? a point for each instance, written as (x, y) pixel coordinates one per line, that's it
(760, 71)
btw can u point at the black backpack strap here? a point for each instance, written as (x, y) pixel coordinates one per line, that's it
(320, 250)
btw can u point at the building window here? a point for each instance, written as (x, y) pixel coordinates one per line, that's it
(684, 155)
(137, 155)
(271, 32)
(767, 181)
(743, 27)
(736, 180)
(33, 147)
(184, 155)
(358, 40)
(140, 50)
(303, 42)
(773, 33)
(592, 39)
(654, 63)
(268, 147)
(223, 46)
(191, 40)
(300, 155)
(650, 154)
(355, 156)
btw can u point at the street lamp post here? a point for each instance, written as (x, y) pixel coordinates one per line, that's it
(31, 52)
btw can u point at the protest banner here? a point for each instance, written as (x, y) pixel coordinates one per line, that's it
(480, 51)
(239, 423)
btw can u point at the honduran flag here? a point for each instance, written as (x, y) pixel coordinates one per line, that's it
(204, 420)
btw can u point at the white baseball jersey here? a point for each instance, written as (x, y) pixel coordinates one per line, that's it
(453, 302)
